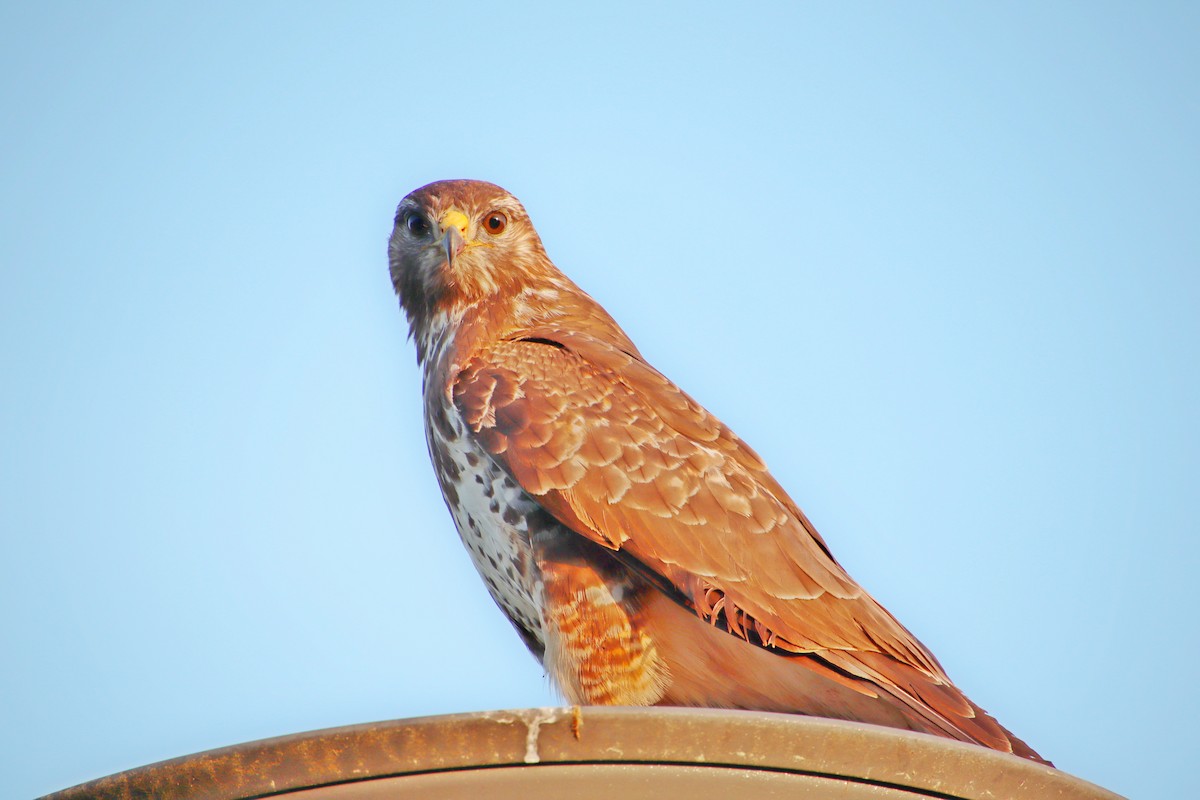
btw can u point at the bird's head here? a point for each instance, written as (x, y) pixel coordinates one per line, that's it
(457, 244)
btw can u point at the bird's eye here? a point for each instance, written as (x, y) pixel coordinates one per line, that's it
(495, 222)
(417, 225)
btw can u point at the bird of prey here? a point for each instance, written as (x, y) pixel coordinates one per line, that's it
(641, 549)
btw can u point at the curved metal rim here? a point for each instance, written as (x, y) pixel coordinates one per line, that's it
(835, 749)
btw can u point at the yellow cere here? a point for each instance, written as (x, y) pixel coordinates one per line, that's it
(455, 218)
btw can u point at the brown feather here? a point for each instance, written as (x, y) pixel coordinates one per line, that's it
(671, 566)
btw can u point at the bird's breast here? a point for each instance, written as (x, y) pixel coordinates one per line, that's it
(493, 516)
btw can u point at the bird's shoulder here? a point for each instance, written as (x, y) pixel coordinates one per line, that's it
(560, 370)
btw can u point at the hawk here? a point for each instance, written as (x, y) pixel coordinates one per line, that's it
(641, 549)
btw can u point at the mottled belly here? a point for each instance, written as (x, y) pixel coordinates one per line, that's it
(492, 515)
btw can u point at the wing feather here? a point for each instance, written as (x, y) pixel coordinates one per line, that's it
(619, 454)
(627, 459)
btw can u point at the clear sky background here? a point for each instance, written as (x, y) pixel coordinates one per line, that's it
(937, 263)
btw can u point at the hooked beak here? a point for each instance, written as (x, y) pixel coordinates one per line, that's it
(454, 229)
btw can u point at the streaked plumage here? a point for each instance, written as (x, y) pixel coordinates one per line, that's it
(642, 550)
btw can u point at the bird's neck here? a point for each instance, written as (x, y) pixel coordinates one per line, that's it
(453, 331)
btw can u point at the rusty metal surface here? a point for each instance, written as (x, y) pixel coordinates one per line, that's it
(625, 752)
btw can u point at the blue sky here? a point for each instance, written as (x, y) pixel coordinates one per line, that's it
(936, 262)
